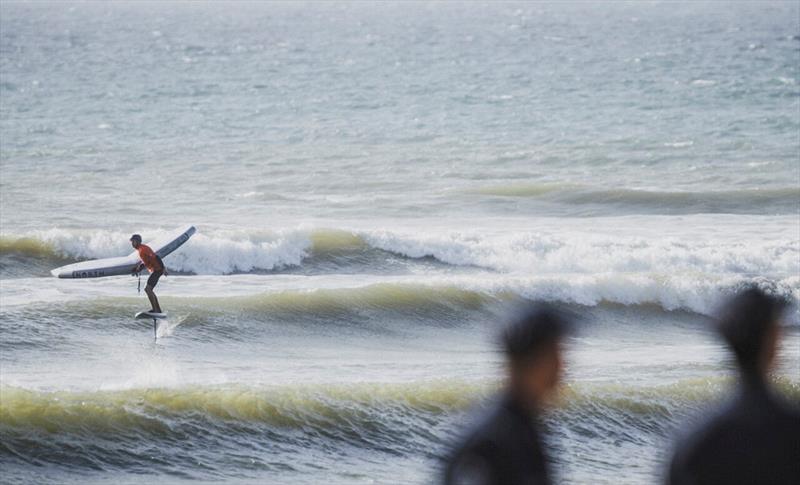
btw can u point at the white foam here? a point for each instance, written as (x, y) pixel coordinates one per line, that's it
(166, 327)
(220, 255)
(590, 254)
(685, 263)
(215, 253)
(564, 249)
(679, 144)
(609, 247)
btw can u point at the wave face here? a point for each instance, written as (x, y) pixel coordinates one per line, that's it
(784, 200)
(26, 256)
(108, 430)
(447, 298)
(269, 430)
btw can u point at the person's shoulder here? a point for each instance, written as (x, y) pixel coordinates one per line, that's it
(753, 425)
(492, 446)
(784, 416)
(485, 429)
(692, 443)
(500, 422)
(767, 408)
(477, 446)
(787, 408)
(709, 426)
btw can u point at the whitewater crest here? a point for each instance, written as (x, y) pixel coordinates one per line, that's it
(533, 252)
(403, 267)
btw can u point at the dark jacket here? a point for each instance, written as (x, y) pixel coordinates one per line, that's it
(753, 439)
(504, 449)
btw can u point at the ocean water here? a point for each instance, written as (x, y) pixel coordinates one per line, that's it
(373, 185)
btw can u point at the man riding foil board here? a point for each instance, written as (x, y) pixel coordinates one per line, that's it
(154, 265)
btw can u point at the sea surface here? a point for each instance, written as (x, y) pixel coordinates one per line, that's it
(373, 185)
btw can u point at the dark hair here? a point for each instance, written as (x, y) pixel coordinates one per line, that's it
(136, 237)
(744, 322)
(534, 328)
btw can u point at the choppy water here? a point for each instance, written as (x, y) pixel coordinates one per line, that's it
(372, 186)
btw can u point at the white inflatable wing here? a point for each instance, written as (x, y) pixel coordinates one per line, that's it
(123, 265)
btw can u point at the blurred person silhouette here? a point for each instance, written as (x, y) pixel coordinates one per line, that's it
(755, 437)
(506, 445)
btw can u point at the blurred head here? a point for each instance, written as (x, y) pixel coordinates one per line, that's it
(136, 240)
(749, 323)
(533, 347)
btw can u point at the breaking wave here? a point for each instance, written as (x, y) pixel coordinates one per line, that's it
(49, 427)
(529, 252)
